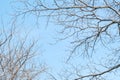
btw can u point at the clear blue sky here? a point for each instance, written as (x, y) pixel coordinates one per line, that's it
(52, 55)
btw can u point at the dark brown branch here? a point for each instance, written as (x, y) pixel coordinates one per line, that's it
(99, 74)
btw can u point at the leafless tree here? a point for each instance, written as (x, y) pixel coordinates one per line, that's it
(16, 58)
(89, 23)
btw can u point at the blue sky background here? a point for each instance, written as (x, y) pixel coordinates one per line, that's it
(53, 56)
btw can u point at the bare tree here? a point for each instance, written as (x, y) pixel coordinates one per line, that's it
(88, 22)
(16, 58)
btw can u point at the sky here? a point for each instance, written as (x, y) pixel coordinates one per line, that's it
(53, 55)
(50, 53)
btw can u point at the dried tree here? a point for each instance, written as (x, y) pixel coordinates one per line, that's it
(16, 58)
(88, 22)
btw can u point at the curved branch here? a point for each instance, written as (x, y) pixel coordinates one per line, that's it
(99, 74)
